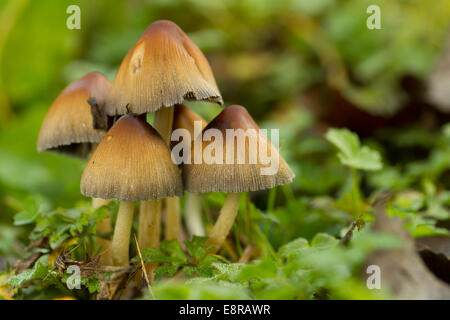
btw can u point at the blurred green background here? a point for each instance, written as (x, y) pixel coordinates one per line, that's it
(298, 65)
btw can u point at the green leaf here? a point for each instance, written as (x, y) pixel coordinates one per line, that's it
(173, 250)
(323, 240)
(39, 271)
(162, 270)
(351, 153)
(258, 269)
(292, 247)
(30, 213)
(195, 247)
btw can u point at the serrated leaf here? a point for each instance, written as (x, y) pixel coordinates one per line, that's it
(39, 271)
(351, 153)
(173, 250)
(166, 270)
(195, 247)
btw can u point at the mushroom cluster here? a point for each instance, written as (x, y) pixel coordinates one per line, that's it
(132, 161)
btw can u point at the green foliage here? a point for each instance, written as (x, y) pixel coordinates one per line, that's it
(60, 224)
(39, 271)
(274, 58)
(172, 258)
(302, 270)
(351, 153)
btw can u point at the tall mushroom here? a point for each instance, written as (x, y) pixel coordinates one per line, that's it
(131, 163)
(185, 118)
(163, 69)
(69, 128)
(240, 167)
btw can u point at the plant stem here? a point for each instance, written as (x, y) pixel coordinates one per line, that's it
(270, 205)
(271, 199)
(193, 217)
(163, 124)
(356, 194)
(122, 231)
(225, 221)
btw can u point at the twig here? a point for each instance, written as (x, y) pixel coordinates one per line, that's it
(247, 254)
(143, 268)
(348, 236)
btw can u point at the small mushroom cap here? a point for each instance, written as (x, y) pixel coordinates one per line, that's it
(163, 68)
(68, 125)
(131, 163)
(235, 177)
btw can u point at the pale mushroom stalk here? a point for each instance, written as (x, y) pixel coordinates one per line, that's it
(163, 124)
(122, 231)
(149, 223)
(225, 221)
(194, 222)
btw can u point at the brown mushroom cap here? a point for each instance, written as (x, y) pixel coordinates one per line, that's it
(163, 68)
(184, 118)
(131, 163)
(68, 125)
(235, 177)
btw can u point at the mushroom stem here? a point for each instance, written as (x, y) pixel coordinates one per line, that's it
(225, 221)
(163, 124)
(149, 224)
(193, 218)
(149, 229)
(122, 231)
(172, 230)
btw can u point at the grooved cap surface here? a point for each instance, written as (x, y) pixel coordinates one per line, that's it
(68, 125)
(163, 68)
(131, 163)
(235, 177)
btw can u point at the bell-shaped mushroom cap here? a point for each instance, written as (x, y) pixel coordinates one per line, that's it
(68, 125)
(255, 163)
(131, 163)
(163, 68)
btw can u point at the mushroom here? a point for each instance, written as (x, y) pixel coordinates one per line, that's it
(231, 176)
(184, 118)
(163, 69)
(131, 163)
(69, 128)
